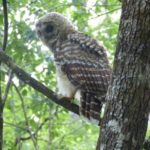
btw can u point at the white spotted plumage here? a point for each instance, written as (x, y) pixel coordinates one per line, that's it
(81, 62)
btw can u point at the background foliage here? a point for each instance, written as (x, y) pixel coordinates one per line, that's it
(31, 121)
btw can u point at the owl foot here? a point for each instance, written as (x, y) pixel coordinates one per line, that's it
(70, 99)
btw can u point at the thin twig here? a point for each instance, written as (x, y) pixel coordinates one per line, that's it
(61, 139)
(1, 101)
(7, 87)
(18, 139)
(26, 118)
(33, 134)
(50, 125)
(105, 13)
(37, 130)
(83, 5)
(50, 130)
(14, 125)
(5, 24)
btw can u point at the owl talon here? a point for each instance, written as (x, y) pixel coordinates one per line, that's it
(66, 98)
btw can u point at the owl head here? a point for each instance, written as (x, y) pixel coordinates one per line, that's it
(53, 27)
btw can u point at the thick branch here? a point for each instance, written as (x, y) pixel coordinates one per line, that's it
(25, 77)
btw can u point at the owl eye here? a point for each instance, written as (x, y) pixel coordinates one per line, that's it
(49, 29)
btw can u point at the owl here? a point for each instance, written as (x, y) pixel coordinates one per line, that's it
(81, 63)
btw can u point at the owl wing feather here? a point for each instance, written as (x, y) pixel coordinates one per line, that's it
(86, 66)
(87, 77)
(93, 84)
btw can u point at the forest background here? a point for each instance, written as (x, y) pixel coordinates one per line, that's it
(31, 120)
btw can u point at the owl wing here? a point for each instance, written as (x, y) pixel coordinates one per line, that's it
(85, 63)
(92, 81)
(87, 76)
(89, 45)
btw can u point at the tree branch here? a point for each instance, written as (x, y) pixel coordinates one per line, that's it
(7, 87)
(4, 47)
(25, 77)
(14, 125)
(29, 130)
(5, 24)
(105, 13)
(34, 133)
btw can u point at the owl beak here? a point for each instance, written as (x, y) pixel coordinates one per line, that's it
(39, 33)
(38, 25)
(38, 29)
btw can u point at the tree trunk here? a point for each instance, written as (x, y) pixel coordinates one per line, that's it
(128, 98)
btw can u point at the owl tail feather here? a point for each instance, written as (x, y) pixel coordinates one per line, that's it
(90, 106)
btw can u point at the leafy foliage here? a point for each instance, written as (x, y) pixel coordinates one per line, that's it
(26, 111)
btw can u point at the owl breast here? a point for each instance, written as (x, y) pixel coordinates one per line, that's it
(65, 87)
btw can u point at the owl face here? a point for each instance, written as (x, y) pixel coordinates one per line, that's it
(47, 30)
(52, 27)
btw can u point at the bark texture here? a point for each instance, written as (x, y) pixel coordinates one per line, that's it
(128, 98)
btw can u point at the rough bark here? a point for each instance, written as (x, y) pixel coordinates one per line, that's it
(128, 98)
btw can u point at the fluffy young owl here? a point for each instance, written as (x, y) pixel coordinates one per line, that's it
(81, 63)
